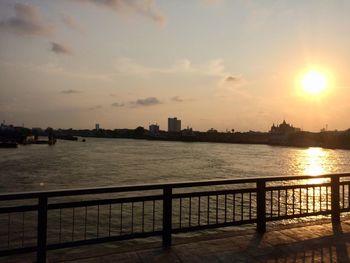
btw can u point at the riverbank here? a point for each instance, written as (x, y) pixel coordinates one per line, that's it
(281, 137)
(327, 140)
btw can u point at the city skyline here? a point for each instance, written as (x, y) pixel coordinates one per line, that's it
(174, 125)
(233, 65)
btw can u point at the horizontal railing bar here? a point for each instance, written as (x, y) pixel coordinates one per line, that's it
(104, 202)
(132, 188)
(102, 240)
(16, 251)
(277, 218)
(17, 209)
(211, 226)
(215, 192)
(286, 187)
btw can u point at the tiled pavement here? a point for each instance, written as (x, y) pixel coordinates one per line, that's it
(317, 242)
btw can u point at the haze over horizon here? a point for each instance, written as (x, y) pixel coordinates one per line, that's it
(211, 63)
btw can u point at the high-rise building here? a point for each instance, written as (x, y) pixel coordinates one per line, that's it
(97, 126)
(174, 125)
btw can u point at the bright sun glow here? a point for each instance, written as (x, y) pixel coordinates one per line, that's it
(314, 82)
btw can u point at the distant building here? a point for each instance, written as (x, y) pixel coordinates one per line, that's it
(212, 130)
(187, 132)
(283, 128)
(97, 127)
(6, 127)
(154, 128)
(174, 125)
(37, 131)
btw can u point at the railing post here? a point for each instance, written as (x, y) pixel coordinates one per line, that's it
(261, 206)
(42, 229)
(167, 215)
(335, 199)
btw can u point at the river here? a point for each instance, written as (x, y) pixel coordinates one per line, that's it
(102, 162)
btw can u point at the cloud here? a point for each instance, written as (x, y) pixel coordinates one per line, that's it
(214, 68)
(27, 20)
(60, 49)
(146, 8)
(70, 91)
(232, 79)
(177, 99)
(72, 23)
(150, 101)
(118, 104)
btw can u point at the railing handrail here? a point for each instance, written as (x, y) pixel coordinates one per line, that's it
(160, 186)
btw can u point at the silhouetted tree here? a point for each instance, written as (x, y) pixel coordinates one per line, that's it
(139, 132)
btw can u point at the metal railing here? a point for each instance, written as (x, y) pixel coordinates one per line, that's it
(47, 220)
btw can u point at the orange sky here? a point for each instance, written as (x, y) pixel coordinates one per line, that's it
(213, 64)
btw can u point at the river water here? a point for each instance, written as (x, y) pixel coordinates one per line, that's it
(105, 162)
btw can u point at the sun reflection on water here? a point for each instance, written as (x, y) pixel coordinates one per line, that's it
(316, 161)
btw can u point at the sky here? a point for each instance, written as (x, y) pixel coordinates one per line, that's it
(223, 64)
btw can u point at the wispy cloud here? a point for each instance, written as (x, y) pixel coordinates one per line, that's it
(146, 8)
(117, 104)
(150, 101)
(232, 79)
(70, 91)
(72, 23)
(60, 49)
(27, 20)
(177, 99)
(214, 67)
(232, 82)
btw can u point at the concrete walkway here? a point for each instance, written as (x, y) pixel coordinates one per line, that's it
(315, 242)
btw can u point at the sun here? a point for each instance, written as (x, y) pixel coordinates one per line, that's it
(314, 82)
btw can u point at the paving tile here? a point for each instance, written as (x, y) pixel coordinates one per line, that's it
(158, 256)
(122, 257)
(195, 255)
(197, 258)
(300, 234)
(245, 242)
(235, 258)
(311, 243)
(227, 245)
(276, 238)
(82, 260)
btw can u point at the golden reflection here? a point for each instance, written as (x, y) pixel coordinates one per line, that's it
(316, 197)
(316, 162)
